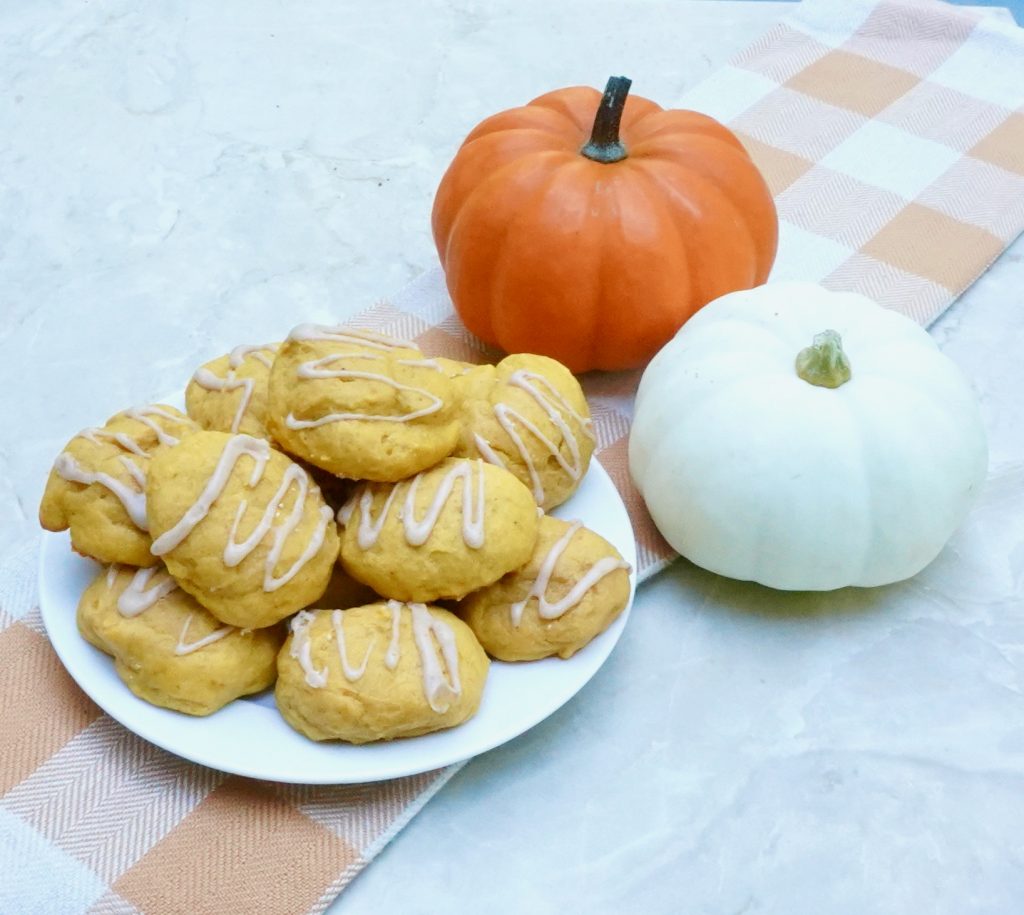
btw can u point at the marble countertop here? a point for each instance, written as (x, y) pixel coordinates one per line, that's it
(179, 177)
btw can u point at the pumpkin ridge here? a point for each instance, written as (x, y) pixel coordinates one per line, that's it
(867, 485)
(923, 405)
(693, 165)
(542, 134)
(666, 189)
(657, 191)
(699, 125)
(537, 162)
(452, 194)
(571, 106)
(556, 133)
(601, 343)
(603, 265)
(511, 339)
(497, 176)
(689, 161)
(522, 116)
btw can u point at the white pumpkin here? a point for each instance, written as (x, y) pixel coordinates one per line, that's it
(806, 440)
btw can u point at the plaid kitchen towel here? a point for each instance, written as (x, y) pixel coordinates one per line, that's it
(893, 138)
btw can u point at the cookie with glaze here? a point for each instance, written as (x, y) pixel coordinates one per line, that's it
(229, 394)
(241, 527)
(378, 672)
(528, 415)
(167, 649)
(97, 484)
(441, 534)
(343, 591)
(360, 405)
(570, 590)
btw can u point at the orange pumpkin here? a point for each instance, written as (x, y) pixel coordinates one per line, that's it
(589, 228)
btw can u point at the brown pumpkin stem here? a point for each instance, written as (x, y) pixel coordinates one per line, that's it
(604, 144)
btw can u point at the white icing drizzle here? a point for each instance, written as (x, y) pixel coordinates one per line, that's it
(255, 448)
(353, 336)
(361, 339)
(393, 654)
(440, 690)
(184, 647)
(351, 673)
(145, 589)
(441, 684)
(234, 552)
(418, 532)
(547, 610)
(345, 512)
(422, 364)
(301, 648)
(96, 436)
(207, 380)
(239, 354)
(67, 468)
(142, 414)
(112, 572)
(230, 382)
(369, 529)
(319, 368)
(557, 408)
(487, 452)
(134, 471)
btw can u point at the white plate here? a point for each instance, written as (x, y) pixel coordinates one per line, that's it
(248, 736)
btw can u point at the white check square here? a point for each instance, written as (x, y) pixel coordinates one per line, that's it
(891, 159)
(727, 93)
(38, 876)
(806, 256)
(830, 23)
(991, 69)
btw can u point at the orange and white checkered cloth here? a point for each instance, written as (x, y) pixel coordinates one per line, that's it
(892, 135)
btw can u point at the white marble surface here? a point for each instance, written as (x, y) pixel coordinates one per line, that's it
(176, 177)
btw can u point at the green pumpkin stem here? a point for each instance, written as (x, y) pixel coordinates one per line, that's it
(824, 363)
(604, 144)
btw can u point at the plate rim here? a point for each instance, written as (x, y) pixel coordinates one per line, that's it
(605, 642)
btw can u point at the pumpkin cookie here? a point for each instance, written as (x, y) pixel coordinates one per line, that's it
(168, 649)
(379, 671)
(335, 490)
(241, 527)
(574, 585)
(445, 532)
(359, 404)
(528, 415)
(229, 394)
(454, 368)
(97, 484)
(343, 591)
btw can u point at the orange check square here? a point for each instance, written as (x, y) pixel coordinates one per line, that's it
(251, 842)
(43, 708)
(780, 168)
(934, 246)
(1004, 146)
(853, 82)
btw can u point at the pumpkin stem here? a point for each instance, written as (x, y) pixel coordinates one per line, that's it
(823, 362)
(604, 144)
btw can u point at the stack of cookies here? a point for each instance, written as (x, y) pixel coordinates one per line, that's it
(344, 516)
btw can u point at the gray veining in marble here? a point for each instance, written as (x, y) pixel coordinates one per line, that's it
(180, 176)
